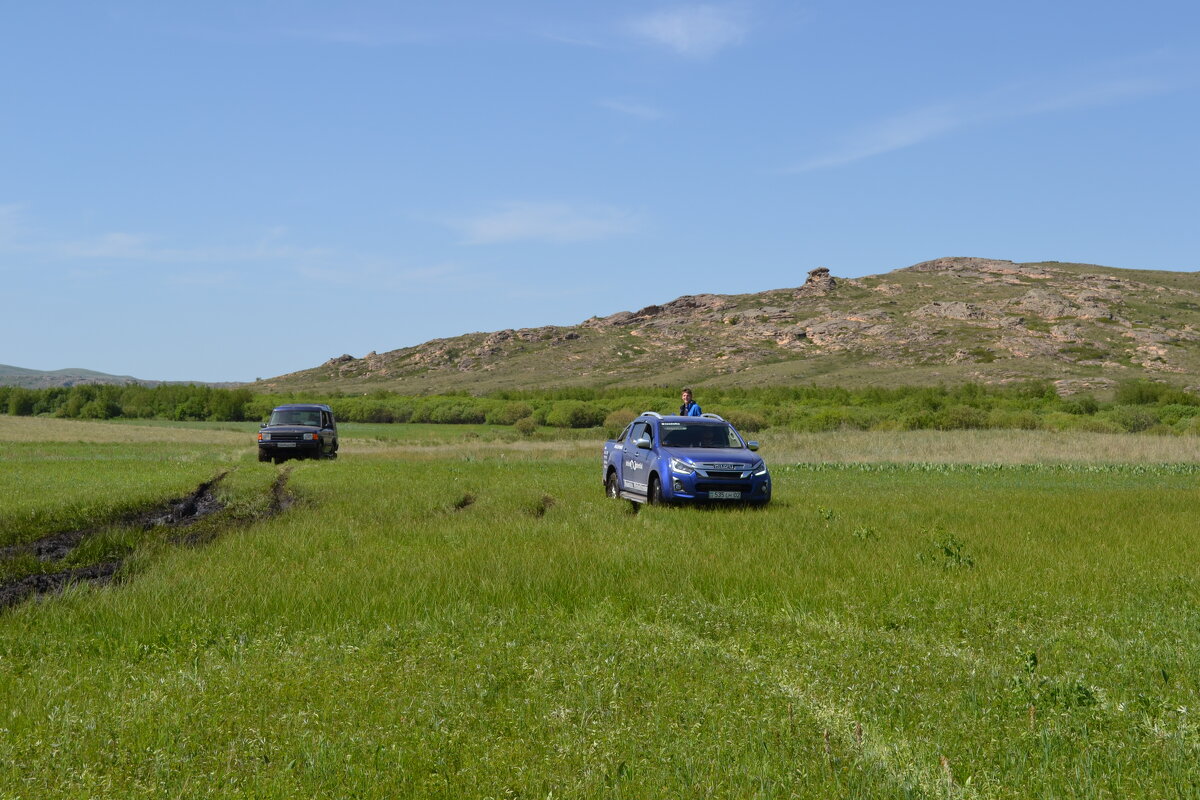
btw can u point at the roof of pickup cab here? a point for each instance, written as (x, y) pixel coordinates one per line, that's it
(678, 418)
(304, 407)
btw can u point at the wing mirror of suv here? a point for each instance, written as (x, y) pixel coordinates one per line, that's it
(752, 445)
(644, 443)
(262, 424)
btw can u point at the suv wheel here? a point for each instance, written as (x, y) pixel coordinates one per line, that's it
(610, 486)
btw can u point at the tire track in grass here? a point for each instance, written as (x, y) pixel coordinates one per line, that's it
(895, 759)
(22, 589)
(178, 514)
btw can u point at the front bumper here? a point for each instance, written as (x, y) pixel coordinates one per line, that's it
(700, 488)
(302, 449)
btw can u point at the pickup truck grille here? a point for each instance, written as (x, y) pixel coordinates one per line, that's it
(727, 474)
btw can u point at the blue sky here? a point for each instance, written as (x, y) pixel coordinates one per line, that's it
(222, 191)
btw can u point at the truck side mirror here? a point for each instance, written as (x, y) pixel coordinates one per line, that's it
(644, 443)
(752, 445)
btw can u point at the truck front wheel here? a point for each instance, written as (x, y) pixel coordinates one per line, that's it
(610, 486)
(654, 495)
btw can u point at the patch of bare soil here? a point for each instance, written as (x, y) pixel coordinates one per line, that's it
(33, 585)
(281, 498)
(174, 513)
(178, 514)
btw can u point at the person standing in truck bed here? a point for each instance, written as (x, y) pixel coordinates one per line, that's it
(690, 407)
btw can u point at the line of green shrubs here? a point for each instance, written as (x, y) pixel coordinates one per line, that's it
(1138, 406)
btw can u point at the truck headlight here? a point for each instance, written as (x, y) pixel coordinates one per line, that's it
(310, 436)
(760, 469)
(264, 437)
(681, 467)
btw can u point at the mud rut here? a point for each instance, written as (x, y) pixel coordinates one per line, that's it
(178, 514)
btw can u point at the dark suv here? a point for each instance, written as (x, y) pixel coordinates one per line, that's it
(298, 430)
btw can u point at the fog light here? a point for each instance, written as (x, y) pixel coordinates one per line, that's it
(678, 486)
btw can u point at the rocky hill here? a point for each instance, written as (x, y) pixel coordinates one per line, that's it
(947, 320)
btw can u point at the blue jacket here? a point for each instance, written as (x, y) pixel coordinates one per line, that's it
(692, 410)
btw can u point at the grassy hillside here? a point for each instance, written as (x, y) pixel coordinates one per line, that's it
(948, 320)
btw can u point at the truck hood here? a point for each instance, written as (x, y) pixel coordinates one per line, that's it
(290, 429)
(713, 455)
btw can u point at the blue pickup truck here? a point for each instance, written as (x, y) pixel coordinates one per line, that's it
(669, 459)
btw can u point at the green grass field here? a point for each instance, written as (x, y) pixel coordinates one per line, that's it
(461, 614)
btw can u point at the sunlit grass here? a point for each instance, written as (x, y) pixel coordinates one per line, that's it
(54, 487)
(476, 620)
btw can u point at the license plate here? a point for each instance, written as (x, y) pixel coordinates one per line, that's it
(287, 444)
(725, 495)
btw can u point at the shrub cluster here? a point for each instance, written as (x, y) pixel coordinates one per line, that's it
(134, 401)
(1138, 406)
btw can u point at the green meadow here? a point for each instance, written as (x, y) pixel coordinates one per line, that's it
(458, 612)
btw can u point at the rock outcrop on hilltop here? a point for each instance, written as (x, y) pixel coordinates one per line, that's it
(948, 318)
(819, 283)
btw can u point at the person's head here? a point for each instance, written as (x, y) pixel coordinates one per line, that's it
(686, 394)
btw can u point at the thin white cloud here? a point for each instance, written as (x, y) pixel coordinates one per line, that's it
(545, 222)
(1103, 94)
(894, 133)
(431, 274)
(90, 273)
(920, 125)
(208, 278)
(696, 31)
(385, 275)
(574, 40)
(114, 254)
(360, 37)
(142, 248)
(633, 109)
(10, 224)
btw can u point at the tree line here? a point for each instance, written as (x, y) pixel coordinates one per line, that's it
(1135, 406)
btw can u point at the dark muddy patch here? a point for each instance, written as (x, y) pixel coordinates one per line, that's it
(178, 514)
(196, 506)
(35, 585)
(174, 513)
(464, 501)
(281, 498)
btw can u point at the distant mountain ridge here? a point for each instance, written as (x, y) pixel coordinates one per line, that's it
(947, 320)
(72, 376)
(46, 379)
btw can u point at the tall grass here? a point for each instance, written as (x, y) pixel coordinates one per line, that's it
(486, 624)
(51, 487)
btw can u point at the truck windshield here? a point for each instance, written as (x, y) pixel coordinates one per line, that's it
(707, 434)
(291, 416)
